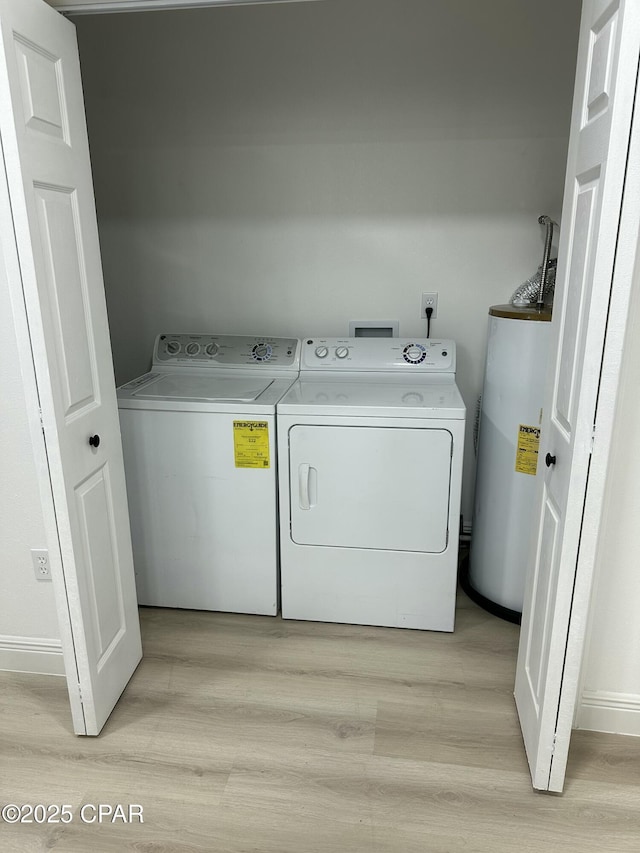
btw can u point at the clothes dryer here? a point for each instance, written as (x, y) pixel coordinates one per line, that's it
(198, 435)
(370, 443)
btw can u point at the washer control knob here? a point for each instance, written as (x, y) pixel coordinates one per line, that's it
(173, 347)
(192, 348)
(212, 349)
(322, 352)
(262, 352)
(414, 353)
(342, 352)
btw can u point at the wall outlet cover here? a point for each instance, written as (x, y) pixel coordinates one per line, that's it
(429, 300)
(41, 567)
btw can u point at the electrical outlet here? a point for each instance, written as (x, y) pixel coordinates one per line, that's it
(41, 568)
(429, 300)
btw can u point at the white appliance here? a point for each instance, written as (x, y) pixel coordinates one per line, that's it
(198, 434)
(370, 444)
(508, 442)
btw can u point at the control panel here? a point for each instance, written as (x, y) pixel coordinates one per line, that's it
(379, 354)
(225, 350)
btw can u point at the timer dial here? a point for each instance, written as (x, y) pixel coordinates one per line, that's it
(262, 352)
(414, 353)
(173, 347)
(342, 352)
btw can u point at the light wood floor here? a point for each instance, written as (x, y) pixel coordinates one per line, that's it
(252, 734)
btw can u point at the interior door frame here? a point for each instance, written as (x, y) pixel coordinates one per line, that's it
(101, 7)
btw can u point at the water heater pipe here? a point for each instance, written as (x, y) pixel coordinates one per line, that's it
(545, 220)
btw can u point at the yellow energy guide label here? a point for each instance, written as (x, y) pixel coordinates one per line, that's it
(251, 444)
(527, 449)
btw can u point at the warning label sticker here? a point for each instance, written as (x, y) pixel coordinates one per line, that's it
(251, 444)
(527, 449)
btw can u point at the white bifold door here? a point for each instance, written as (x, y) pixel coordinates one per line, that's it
(52, 261)
(589, 312)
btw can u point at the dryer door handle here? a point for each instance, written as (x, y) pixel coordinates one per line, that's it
(303, 485)
(307, 486)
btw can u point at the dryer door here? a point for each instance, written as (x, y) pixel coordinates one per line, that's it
(370, 487)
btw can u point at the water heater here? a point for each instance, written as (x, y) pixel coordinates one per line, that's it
(508, 441)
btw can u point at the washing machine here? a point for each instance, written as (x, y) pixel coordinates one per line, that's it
(198, 434)
(370, 446)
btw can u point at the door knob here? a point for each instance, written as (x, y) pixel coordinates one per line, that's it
(94, 441)
(549, 460)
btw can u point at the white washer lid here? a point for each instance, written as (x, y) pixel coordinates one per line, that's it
(204, 388)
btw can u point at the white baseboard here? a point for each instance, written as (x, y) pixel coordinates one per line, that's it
(31, 654)
(601, 711)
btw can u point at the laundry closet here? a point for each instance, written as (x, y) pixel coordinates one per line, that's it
(284, 169)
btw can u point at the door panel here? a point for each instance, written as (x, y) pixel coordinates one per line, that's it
(64, 289)
(370, 487)
(557, 594)
(54, 226)
(538, 645)
(94, 500)
(40, 87)
(579, 281)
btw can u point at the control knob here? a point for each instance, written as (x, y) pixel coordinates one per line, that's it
(342, 352)
(173, 347)
(322, 352)
(192, 348)
(414, 353)
(212, 349)
(262, 351)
